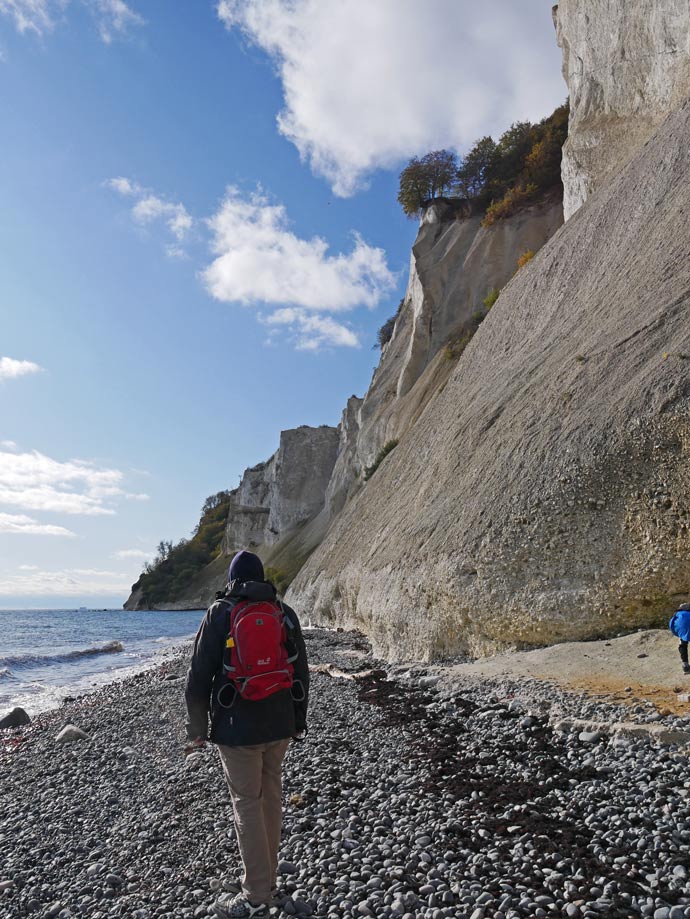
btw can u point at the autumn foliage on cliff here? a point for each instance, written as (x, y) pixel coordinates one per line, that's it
(496, 178)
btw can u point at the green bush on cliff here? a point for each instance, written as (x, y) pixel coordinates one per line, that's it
(491, 298)
(385, 333)
(379, 458)
(279, 578)
(176, 566)
(456, 346)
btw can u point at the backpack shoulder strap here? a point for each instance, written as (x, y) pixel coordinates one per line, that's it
(290, 643)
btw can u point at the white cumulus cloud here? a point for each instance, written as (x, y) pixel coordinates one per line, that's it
(20, 523)
(113, 17)
(10, 368)
(310, 331)
(150, 208)
(366, 85)
(259, 259)
(37, 482)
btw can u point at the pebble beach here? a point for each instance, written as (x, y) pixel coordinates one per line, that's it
(413, 797)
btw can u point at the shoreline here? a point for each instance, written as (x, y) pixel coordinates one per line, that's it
(166, 668)
(638, 671)
(40, 680)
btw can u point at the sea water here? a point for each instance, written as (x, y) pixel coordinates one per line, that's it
(47, 655)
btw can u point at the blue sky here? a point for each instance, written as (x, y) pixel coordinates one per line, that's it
(200, 237)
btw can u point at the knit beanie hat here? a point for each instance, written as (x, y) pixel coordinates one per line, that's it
(246, 566)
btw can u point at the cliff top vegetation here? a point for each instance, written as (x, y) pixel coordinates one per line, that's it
(494, 177)
(175, 566)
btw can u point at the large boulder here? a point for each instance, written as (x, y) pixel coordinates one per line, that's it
(71, 732)
(15, 719)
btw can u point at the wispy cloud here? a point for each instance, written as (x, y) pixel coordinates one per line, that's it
(10, 368)
(114, 18)
(138, 554)
(366, 85)
(37, 482)
(30, 15)
(310, 331)
(150, 208)
(67, 582)
(21, 524)
(260, 260)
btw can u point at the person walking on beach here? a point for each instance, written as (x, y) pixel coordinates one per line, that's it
(680, 626)
(249, 670)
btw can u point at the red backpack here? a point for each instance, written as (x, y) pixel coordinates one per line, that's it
(256, 661)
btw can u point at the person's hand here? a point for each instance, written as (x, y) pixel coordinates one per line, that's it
(197, 744)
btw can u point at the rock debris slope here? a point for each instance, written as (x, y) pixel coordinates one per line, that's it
(543, 493)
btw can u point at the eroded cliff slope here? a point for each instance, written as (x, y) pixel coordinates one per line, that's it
(455, 264)
(543, 493)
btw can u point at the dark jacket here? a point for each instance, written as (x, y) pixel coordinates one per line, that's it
(244, 723)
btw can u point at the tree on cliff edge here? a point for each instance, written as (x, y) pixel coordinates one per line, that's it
(426, 178)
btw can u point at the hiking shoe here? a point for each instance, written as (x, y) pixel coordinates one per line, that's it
(232, 888)
(686, 668)
(237, 906)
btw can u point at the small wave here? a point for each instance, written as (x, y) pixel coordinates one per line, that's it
(42, 660)
(6, 674)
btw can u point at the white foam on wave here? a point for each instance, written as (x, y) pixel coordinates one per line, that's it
(77, 672)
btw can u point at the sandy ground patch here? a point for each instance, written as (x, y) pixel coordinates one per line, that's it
(635, 667)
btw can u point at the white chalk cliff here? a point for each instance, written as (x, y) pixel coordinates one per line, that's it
(542, 493)
(539, 488)
(455, 264)
(283, 493)
(627, 66)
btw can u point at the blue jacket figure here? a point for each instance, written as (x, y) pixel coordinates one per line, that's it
(680, 626)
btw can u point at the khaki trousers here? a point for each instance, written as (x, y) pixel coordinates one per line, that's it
(255, 782)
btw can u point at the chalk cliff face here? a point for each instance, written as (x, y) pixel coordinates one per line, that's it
(286, 491)
(538, 491)
(455, 264)
(543, 493)
(627, 66)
